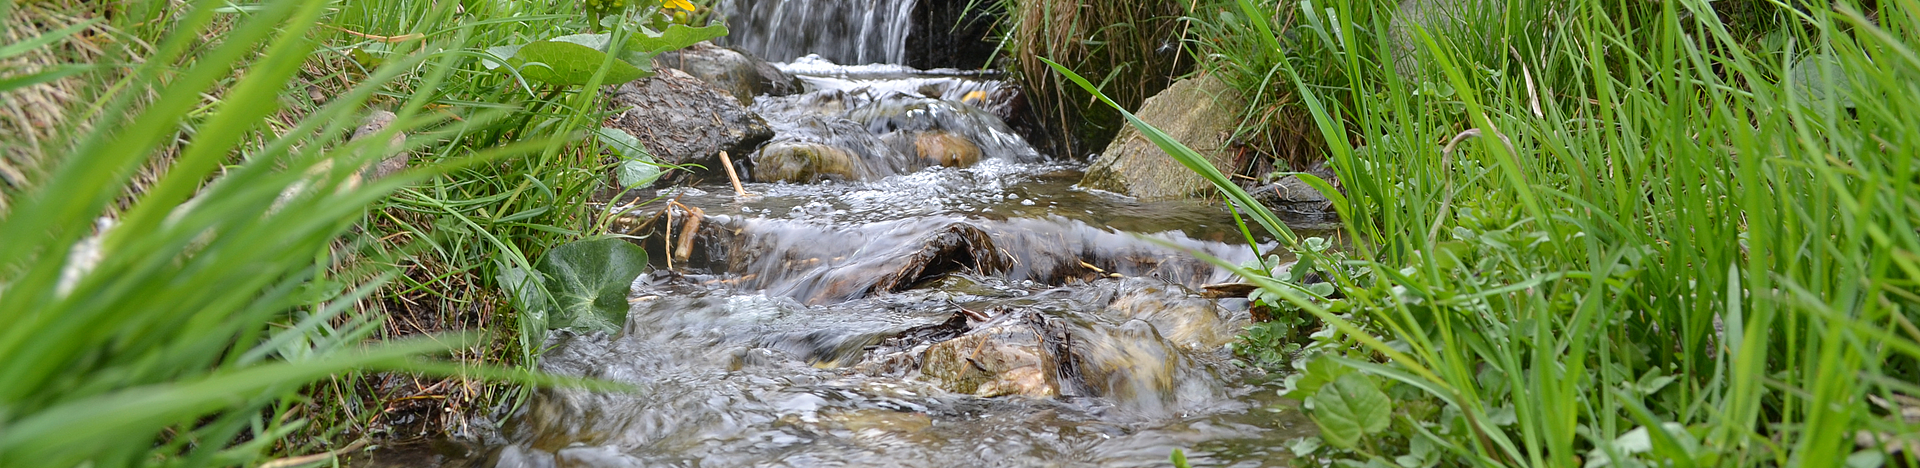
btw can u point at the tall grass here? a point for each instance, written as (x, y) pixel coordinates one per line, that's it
(182, 320)
(462, 233)
(1133, 48)
(174, 332)
(1652, 242)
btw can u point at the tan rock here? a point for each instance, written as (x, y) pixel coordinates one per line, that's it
(946, 149)
(1001, 360)
(798, 162)
(1200, 112)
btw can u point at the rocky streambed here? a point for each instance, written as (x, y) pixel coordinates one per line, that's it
(905, 282)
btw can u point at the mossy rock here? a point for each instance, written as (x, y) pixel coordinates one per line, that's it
(800, 163)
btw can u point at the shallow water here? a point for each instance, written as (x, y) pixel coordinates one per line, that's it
(939, 316)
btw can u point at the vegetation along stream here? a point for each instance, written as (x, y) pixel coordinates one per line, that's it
(932, 292)
(931, 233)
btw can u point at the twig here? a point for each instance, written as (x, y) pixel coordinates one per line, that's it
(728, 163)
(386, 39)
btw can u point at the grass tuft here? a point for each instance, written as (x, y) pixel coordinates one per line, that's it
(1671, 243)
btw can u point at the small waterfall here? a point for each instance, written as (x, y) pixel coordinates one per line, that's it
(847, 32)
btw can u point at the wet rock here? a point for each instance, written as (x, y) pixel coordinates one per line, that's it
(1009, 357)
(904, 119)
(1131, 364)
(945, 149)
(791, 260)
(1179, 315)
(833, 149)
(1200, 112)
(800, 163)
(683, 120)
(740, 74)
(1300, 205)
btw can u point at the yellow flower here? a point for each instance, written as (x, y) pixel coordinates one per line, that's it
(682, 5)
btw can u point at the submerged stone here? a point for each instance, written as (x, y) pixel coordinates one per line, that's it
(1009, 357)
(1176, 313)
(945, 149)
(798, 162)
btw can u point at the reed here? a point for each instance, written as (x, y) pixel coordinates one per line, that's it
(1134, 48)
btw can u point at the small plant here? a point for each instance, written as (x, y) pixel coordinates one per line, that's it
(606, 58)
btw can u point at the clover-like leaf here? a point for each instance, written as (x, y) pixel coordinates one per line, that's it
(1349, 408)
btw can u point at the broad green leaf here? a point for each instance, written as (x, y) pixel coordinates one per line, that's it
(595, 41)
(637, 167)
(1350, 408)
(1820, 77)
(623, 143)
(525, 288)
(1420, 454)
(639, 58)
(566, 63)
(1317, 373)
(636, 173)
(505, 52)
(1304, 446)
(589, 281)
(677, 36)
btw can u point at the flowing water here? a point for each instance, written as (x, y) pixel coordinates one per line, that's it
(844, 31)
(922, 305)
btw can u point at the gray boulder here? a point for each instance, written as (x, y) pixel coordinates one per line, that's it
(683, 120)
(1200, 112)
(740, 74)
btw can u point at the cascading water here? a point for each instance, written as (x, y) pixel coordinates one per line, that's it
(849, 32)
(910, 284)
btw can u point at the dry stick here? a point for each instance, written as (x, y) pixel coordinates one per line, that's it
(728, 163)
(379, 38)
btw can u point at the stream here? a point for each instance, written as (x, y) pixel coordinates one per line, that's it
(926, 291)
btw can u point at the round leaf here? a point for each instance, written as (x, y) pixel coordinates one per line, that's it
(1349, 408)
(589, 281)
